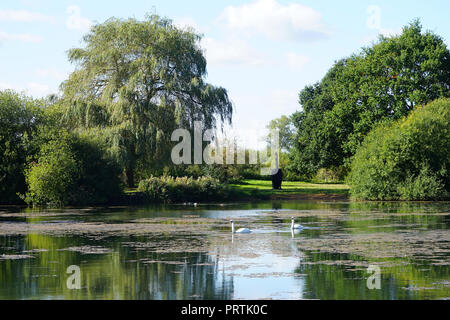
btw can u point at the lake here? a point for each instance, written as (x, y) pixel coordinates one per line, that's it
(188, 252)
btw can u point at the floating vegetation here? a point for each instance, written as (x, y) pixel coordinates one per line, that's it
(88, 250)
(156, 251)
(15, 257)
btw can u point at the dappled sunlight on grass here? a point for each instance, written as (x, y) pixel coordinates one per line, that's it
(262, 188)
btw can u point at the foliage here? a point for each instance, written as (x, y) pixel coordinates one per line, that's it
(316, 144)
(408, 159)
(333, 175)
(384, 81)
(51, 179)
(223, 173)
(19, 117)
(185, 189)
(137, 81)
(71, 169)
(262, 189)
(285, 131)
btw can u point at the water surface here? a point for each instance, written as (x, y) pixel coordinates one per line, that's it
(187, 252)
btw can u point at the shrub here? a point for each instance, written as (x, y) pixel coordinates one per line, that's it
(72, 169)
(408, 159)
(52, 177)
(184, 189)
(334, 175)
(426, 185)
(19, 117)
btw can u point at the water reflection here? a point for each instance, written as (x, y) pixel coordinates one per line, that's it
(326, 260)
(125, 273)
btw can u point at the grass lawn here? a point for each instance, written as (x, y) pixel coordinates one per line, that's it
(251, 190)
(262, 189)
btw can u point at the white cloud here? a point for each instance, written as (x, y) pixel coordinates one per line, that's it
(275, 21)
(269, 104)
(236, 52)
(75, 21)
(5, 86)
(188, 22)
(34, 89)
(51, 73)
(37, 89)
(296, 61)
(24, 16)
(230, 52)
(22, 37)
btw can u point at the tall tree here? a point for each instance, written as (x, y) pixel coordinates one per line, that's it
(385, 81)
(135, 82)
(19, 117)
(285, 131)
(317, 144)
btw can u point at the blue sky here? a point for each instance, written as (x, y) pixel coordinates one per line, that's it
(263, 51)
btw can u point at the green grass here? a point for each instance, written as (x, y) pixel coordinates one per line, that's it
(263, 189)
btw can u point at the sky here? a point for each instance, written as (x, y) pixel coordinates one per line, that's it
(262, 51)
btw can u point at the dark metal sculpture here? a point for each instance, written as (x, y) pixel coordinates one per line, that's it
(277, 175)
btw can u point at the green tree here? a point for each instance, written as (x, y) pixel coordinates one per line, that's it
(316, 143)
(136, 81)
(71, 168)
(285, 130)
(19, 117)
(51, 178)
(408, 159)
(385, 81)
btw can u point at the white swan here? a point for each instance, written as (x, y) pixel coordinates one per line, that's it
(295, 226)
(242, 230)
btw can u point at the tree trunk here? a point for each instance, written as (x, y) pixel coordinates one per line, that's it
(129, 176)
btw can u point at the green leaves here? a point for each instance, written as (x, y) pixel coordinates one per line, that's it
(141, 80)
(285, 129)
(52, 178)
(19, 117)
(384, 81)
(71, 168)
(182, 189)
(407, 159)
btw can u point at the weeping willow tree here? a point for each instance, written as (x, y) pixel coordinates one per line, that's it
(135, 82)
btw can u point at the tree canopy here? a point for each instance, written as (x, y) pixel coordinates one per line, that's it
(285, 130)
(19, 116)
(385, 81)
(136, 81)
(408, 159)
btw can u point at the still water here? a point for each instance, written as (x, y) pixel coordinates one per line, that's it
(187, 252)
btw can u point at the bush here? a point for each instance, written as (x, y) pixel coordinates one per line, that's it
(51, 179)
(334, 175)
(72, 169)
(170, 189)
(19, 117)
(407, 159)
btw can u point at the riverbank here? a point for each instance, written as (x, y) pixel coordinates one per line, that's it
(254, 190)
(291, 190)
(250, 190)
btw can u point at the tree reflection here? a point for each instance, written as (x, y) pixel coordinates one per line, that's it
(116, 275)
